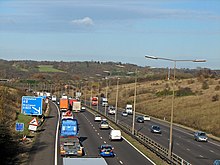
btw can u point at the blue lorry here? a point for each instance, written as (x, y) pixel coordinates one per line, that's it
(69, 141)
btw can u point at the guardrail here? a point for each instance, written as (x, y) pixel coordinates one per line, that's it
(155, 147)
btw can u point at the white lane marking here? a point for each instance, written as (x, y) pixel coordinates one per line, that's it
(56, 139)
(137, 149)
(211, 151)
(105, 142)
(177, 144)
(95, 129)
(100, 137)
(120, 162)
(97, 133)
(188, 149)
(201, 156)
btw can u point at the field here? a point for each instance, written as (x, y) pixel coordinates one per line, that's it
(48, 68)
(196, 103)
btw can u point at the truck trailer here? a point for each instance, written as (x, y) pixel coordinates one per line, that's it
(70, 144)
(64, 104)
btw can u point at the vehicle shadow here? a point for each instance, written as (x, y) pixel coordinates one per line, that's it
(82, 139)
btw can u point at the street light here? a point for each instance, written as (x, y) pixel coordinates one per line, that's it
(135, 93)
(173, 95)
(116, 101)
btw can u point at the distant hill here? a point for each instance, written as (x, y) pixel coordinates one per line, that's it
(60, 71)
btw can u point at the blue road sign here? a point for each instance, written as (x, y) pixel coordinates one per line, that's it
(19, 127)
(31, 105)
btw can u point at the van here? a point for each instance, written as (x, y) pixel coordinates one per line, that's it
(128, 109)
(115, 135)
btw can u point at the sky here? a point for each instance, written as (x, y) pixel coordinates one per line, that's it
(112, 30)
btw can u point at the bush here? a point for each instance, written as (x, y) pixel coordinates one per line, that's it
(184, 92)
(217, 88)
(191, 81)
(215, 98)
(164, 92)
(205, 85)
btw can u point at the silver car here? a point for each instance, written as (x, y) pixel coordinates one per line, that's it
(104, 125)
(200, 136)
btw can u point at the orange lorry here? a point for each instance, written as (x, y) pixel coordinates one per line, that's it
(64, 104)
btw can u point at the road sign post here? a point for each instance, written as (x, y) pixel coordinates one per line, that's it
(31, 105)
(19, 127)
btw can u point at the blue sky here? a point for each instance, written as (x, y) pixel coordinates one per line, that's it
(111, 30)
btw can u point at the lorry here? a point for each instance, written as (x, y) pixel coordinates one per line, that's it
(104, 102)
(76, 106)
(70, 144)
(64, 104)
(94, 101)
(128, 109)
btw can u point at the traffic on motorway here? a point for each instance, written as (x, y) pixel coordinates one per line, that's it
(195, 147)
(84, 134)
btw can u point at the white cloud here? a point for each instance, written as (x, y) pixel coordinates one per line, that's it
(86, 21)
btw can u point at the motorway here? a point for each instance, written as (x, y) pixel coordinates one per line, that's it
(44, 150)
(201, 153)
(92, 137)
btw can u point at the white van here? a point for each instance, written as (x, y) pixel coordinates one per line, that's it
(128, 109)
(115, 135)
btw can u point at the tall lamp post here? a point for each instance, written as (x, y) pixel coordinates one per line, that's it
(116, 101)
(135, 94)
(173, 95)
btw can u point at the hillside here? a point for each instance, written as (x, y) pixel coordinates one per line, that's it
(10, 101)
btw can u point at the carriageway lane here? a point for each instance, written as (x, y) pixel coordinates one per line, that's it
(183, 142)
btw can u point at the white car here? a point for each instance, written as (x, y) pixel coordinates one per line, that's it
(146, 118)
(104, 125)
(98, 118)
(124, 113)
(111, 111)
(83, 109)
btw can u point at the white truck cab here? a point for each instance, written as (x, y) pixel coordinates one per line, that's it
(129, 109)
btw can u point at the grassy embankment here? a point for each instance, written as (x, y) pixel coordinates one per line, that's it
(199, 110)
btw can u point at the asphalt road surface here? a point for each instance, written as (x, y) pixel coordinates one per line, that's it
(92, 137)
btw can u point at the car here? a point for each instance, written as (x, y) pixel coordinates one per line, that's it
(146, 118)
(104, 125)
(98, 118)
(216, 162)
(115, 135)
(155, 129)
(83, 109)
(140, 119)
(106, 150)
(200, 136)
(124, 113)
(111, 110)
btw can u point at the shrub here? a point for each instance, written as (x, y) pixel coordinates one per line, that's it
(191, 81)
(184, 92)
(205, 85)
(217, 88)
(164, 92)
(215, 98)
